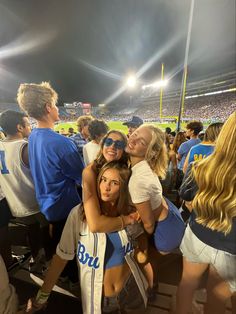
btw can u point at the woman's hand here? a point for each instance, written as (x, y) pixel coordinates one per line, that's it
(129, 219)
(32, 306)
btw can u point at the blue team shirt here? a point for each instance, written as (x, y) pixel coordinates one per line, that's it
(56, 167)
(200, 151)
(184, 149)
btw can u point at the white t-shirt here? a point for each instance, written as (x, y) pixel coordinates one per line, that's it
(16, 180)
(90, 253)
(90, 151)
(144, 185)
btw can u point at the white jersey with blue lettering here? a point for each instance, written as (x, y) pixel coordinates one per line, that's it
(16, 180)
(90, 250)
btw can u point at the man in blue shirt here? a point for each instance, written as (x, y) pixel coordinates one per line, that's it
(55, 163)
(82, 137)
(193, 129)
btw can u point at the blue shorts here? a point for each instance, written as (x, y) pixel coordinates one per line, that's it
(169, 232)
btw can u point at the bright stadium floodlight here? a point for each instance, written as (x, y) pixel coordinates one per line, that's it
(158, 84)
(131, 81)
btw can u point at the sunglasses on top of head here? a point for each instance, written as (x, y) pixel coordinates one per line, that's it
(117, 144)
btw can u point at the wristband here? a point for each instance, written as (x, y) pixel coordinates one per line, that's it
(42, 297)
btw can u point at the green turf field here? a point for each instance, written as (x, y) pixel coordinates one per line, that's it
(115, 125)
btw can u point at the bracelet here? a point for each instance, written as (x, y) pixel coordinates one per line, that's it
(42, 297)
(122, 222)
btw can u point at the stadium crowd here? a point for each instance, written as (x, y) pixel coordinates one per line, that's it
(97, 202)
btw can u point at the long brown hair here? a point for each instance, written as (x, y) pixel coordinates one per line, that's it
(122, 204)
(100, 160)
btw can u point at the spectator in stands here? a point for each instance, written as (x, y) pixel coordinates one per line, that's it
(82, 137)
(97, 130)
(63, 132)
(112, 148)
(133, 124)
(55, 163)
(172, 137)
(206, 147)
(209, 241)
(111, 281)
(178, 140)
(70, 132)
(148, 156)
(169, 182)
(21, 197)
(193, 129)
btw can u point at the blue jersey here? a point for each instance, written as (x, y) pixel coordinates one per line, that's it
(56, 167)
(184, 149)
(200, 151)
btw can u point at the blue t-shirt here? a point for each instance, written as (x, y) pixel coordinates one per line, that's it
(200, 151)
(56, 167)
(184, 149)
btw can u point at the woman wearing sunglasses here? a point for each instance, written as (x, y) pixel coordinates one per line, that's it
(110, 279)
(112, 148)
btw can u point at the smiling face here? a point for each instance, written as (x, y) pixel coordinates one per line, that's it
(110, 186)
(110, 152)
(138, 142)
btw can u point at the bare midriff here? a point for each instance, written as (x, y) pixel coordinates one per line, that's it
(161, 212)
(114, 279)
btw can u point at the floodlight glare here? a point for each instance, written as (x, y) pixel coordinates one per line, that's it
(131, 81)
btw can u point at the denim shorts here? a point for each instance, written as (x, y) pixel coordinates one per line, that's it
(169, 232)
(196, 251)
(129, 298)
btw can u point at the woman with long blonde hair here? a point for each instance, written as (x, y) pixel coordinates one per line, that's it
(209, 242)
(148, 156)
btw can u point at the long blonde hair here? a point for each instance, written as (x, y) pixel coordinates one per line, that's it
(215, 201)
(156, 154)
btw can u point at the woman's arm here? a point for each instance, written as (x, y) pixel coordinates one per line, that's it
(185, 166)
(98, 222)
(52, 275)
(147, 216)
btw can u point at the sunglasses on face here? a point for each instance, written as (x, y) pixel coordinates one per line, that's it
(117, 144)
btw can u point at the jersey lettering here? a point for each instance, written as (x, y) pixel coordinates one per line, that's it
(4, 169)
(85, 258)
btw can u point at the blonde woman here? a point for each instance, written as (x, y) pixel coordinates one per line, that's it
(209, 241)
(148, 156)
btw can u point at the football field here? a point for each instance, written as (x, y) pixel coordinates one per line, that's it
(115, 125)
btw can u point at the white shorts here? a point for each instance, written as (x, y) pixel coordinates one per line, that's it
(196, 251)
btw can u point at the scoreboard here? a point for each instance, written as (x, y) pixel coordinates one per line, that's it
(83, 108)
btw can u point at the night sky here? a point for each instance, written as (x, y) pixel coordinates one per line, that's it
(86, 48)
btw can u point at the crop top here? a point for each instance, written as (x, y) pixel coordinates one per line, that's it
(115, 252)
